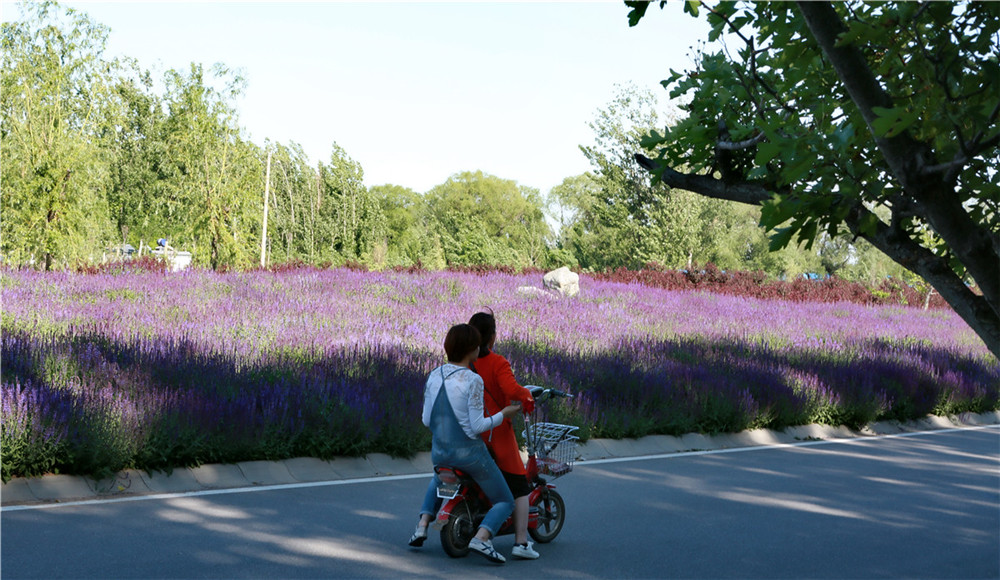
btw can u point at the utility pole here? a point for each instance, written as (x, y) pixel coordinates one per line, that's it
(267, 192)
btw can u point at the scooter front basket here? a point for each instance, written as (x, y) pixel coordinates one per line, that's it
(555, 447)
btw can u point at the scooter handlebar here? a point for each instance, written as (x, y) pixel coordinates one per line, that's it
(541, 392)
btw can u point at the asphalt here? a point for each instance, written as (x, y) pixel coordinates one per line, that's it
(56, 488)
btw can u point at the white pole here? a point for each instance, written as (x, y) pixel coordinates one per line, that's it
(267, 191)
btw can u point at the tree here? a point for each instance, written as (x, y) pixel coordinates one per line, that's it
(483, 219)
(568, 205)
(292, 203)
(624, 220)
(625, 223)
(351, 221)
(138, 161)
(54, 101)
(831, 112)
(215, 178)
(409, 238)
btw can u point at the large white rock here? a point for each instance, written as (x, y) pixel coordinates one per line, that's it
(563, 281)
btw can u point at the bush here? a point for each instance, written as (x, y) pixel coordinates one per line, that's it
(757, 285)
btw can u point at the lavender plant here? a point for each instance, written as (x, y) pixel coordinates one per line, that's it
(155, 370)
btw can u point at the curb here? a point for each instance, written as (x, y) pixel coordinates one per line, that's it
(63, 488)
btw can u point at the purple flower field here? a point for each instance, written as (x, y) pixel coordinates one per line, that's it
(154, 371)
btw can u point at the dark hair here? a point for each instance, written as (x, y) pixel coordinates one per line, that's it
(486, 324)
(460, 341)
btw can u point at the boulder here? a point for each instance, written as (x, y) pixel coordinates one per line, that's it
(563, 281)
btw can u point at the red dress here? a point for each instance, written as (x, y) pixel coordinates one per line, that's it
(500, 389)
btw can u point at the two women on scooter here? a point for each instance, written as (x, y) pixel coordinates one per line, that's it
(500, 388)
(454, 412)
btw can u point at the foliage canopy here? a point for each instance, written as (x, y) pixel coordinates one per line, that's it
(872, 120)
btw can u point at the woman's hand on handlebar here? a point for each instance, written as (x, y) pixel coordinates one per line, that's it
(511, 410)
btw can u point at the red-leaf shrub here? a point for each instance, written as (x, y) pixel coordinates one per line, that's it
(756, 285)
(145, 263)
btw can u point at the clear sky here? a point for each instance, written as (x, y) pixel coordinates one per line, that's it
(416, 92)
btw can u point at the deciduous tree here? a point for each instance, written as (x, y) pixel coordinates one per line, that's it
(484, 219)
(54, 100)
(137, 158)
(826, 113)
(213, 197)
(351, 220)
(409, 237)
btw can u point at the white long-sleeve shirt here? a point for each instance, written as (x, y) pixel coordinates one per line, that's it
(465, 393)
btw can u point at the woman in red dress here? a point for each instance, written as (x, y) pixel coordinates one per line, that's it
(502, 389)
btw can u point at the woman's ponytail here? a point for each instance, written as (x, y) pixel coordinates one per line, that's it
(486, 324)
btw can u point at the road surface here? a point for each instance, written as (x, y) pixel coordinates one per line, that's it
(924, 505)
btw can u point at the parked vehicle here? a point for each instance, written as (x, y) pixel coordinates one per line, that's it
(551, 453)
(176, 260)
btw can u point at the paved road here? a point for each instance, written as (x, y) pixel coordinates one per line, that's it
(921, 506)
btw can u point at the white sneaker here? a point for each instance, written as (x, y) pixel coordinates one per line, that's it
(418, 537)
(487, 550)
(526, 552)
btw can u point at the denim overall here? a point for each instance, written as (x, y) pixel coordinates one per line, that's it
(451, 447)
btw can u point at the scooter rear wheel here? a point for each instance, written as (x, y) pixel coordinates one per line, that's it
(551, 517)
(457, 532)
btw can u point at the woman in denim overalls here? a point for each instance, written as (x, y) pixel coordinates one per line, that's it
(453, 409)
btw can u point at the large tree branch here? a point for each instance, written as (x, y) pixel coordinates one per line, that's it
(738, 145)
(743, 192)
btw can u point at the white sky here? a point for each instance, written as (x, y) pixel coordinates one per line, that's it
(416, 92)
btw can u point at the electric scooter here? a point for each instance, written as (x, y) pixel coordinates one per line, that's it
(551, 453)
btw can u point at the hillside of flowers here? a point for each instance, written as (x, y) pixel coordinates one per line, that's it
(155, 370)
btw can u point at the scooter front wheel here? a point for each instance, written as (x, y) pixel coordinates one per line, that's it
(551, 517)
(457, 532)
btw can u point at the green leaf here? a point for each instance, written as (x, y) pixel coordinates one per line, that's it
(652, 140)
(691, 7)
(867, 224)
(637, 12)
(892, 122)
(844, 135)
(741, 21)
(780, 239)
(715, 33)
(777, 211)
(859, 32)
(797, 170)
(807, 233)
(839, 212)
(766, 151)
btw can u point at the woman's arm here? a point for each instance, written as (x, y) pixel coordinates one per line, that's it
(512, 390)
(477, 419)
(430, 393)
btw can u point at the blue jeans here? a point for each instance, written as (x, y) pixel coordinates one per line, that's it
(484, 470)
